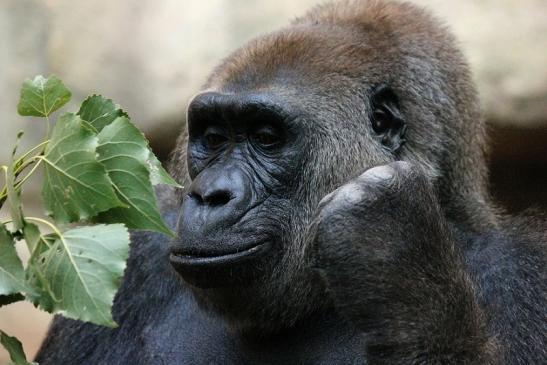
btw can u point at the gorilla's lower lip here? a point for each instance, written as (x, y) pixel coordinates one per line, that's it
(185, 260)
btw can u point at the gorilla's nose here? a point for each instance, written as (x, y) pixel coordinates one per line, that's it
(218, 198)
(212, 196)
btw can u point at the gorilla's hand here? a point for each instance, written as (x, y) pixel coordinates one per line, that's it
(392, 266)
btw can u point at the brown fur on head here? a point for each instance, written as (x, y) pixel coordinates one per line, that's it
(324, 66)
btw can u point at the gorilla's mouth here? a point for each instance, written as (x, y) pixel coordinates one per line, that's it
(181, 260)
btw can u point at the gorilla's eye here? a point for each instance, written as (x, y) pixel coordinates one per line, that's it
(266, 137)
(381, 121)
(214, 139)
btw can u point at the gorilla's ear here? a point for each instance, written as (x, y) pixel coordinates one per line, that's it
(386, 118)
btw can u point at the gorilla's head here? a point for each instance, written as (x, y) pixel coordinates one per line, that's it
(294, 114)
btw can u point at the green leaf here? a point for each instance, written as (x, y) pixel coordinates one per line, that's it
(158, 175)
(37, 244)
(100, 112)
(32, 236)
(83, 270)
(12, 274)
(42, 96)
(41, 293)
(14, 348)
(76, 186)
(123, 150)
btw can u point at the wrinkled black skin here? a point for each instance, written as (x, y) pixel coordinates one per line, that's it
(292, 249)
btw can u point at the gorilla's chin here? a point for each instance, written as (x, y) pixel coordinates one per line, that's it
(262, 290)
(261, 307)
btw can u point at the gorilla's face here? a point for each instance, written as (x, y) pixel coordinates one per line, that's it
(244, 157)
(265, 143)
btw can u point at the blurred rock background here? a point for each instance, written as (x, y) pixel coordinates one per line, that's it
(152, 56)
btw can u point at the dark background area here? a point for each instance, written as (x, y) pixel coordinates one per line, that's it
(518, 167)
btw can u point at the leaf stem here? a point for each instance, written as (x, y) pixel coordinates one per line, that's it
(24, 165)
(27, 163)
(25, 155)
(47, 127)
(20, 164)
(34, 250)
(22, 181)
(47, 223)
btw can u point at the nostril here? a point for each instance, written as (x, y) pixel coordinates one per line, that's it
(218, 197)
(196, 197)
(214, 198)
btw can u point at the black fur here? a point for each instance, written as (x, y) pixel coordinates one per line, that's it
(407, 262)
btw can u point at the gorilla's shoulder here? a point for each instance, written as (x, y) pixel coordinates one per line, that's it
(519, 244)
(508, 264)
(528, 228)
(508, 267)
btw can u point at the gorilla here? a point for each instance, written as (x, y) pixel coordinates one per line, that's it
(335, 211)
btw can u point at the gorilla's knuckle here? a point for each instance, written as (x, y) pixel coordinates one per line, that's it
(403, 166)
(326, 200)
(342, 200)
(350, 193)
(378, 175)
(399, 176)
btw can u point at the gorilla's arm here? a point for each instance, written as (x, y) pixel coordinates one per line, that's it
(395, 270)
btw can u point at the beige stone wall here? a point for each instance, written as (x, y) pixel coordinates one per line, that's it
(151, 57)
